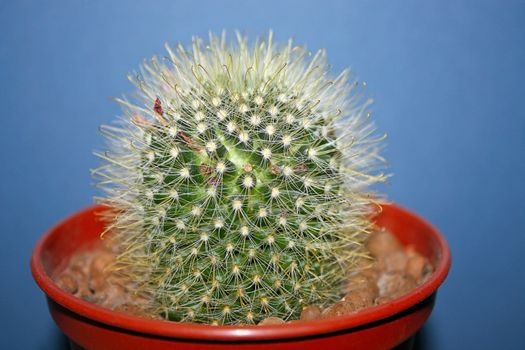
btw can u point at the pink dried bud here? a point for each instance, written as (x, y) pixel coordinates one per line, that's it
(189, 142)
(138, 119)
(205, 170)
(300, 168)
(213, 181)
(160, 112)
(274, 169)
(158, 107)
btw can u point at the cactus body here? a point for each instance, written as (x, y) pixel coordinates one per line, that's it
(237, 181)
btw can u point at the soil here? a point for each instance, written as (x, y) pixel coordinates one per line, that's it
(392, 272)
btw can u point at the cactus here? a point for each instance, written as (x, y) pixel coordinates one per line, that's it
(238, 180)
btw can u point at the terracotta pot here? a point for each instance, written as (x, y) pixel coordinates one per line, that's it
(380, 327)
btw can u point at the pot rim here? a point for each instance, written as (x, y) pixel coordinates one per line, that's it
(244, 333)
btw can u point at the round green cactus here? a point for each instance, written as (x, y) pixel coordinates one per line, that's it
(238, 181)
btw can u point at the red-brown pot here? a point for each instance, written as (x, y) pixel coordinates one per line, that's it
(380, 327)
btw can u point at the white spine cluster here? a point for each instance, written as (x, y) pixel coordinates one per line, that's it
(238, 180)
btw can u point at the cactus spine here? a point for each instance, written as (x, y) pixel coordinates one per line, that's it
(238, 180)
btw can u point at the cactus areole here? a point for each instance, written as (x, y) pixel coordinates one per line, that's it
(238, 180)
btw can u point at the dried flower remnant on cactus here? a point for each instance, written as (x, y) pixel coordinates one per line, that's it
(238, 180)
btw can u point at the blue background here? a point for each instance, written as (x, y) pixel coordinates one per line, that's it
(447, 76)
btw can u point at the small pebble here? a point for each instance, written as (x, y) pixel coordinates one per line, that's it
(339, 308)
(271, 320)
(132, 309)
(395, 284)
(68, 283)
(311, 312)
(363, 297)
(80, 264)
(357, 280)
(383, 299)
(417, 267)
(363, 280)
(98, 270)
(392, 261)
(364, 263)
(372, 273)
(111, 295)
(99, 265)
(78, 274)
(366, 270)
(382, 242)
